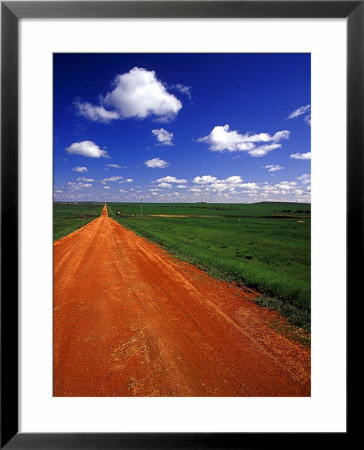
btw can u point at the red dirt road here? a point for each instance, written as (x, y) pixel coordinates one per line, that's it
(129, 320)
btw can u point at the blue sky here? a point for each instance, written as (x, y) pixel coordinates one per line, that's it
(182, 127)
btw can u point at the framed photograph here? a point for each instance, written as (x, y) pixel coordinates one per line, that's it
(167, 270)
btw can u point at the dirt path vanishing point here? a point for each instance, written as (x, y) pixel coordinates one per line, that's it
(130, 320)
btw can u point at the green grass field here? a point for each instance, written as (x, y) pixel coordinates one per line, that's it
(214, 209)
(266, 246)
(69, 217)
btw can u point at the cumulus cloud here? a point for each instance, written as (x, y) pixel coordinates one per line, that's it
(80, 169)
(86, 148)
(94, 112)
(263, 150)
(137, 93)
(76, 186)
(305, 178)
(210, 183)
(234, 189)
(169, 179)
(273, 168)
(156, 163)
(285, 185)
(85, 179)
(286, 191)
(235, 179)
(249, 186)
(298, 192)
(223, 139)
(301, 155)
(116, 178)
(163, 136)
(298, 112)
(231, 184)
(204, 179)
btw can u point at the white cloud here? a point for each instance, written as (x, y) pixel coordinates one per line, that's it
(156, 163)
(85, 179)
(169, 179)
(94, 112)
(105, 180)
(80, 169)
(299, 111)
(263, 150)
(204, 179)
(249, 186)
(181, 186)
(76, 186)
(208, 182)
(106, 187)
(301, 155)
(163, 136)
(137, 93)
(285, 185)
(208, 179)
(86, 148)
(231, 184)
(233, 189)
(183, 89)
(235, 179)
(305, 178)
(222, 139)
(115, 166)
(307, 119)
(273, 168)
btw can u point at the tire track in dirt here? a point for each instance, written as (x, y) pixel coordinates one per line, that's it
(130, 320)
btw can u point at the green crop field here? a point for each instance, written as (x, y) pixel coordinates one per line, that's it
(214, 209)
(265, 246)
(68, 217)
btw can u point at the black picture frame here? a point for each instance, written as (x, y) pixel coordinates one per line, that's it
(11, 12)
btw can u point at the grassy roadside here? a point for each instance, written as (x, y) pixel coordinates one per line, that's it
(271, 255)
(70, 217)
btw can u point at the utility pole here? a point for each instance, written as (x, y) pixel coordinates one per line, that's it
(141, 207)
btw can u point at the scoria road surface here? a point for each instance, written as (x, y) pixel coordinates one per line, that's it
(130, 320)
